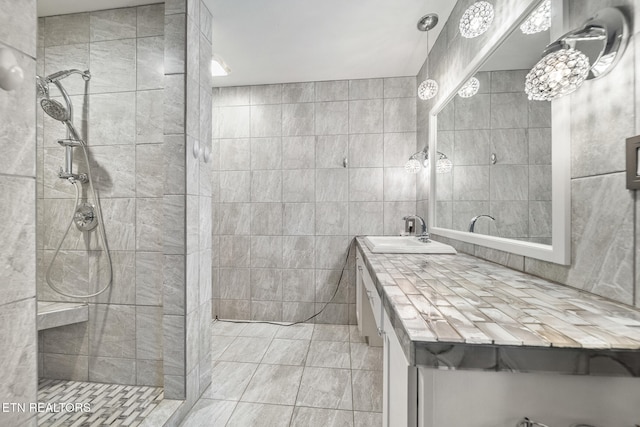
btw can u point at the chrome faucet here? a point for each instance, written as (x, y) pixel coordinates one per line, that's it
(424, 235)
(472, 223)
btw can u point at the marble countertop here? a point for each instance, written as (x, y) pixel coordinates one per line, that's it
(459, 311)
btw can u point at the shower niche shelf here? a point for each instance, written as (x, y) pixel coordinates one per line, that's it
(54, 314)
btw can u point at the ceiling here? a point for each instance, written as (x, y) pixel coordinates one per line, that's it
(277, 41)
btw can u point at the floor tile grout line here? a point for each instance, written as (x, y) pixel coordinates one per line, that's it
(304, 367)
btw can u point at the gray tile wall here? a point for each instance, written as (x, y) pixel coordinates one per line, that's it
(516, 190)
(18, 358)
(187, 200)
(285, 207)
(604, 252)
(121, 119)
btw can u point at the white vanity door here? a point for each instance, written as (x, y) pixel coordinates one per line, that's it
(399, 400)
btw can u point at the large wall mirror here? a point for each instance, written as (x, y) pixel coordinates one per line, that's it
(508, 187)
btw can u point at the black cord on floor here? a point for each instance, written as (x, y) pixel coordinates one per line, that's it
(344, 266)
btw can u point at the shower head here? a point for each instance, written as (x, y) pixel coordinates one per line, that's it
(42, 88)
(52, 78)
(55, 109)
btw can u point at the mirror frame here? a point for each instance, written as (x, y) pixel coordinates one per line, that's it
(559, 252)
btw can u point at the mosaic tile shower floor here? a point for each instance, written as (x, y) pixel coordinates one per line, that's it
(110, 404)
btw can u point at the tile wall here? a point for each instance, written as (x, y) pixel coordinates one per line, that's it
(286, 207)
(119, 113)
(604, 219)
(187, 249)
(516, 190)
(18, 211)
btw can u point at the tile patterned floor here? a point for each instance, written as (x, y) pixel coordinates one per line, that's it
(110, 404)
(302, 376)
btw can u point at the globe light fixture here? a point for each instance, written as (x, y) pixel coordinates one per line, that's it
(539, 20)
(588, 52)
(476, 19)
(470, 88)
(427, 89)
(413, 165)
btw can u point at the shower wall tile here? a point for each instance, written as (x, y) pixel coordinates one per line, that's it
(235, 283)
(332, 218)
(149, 278)
(266, 186)
(148, 337)
(235, 251)
(298, 185)
(298, 92)
(399, 185)
(18, 333)
(400, 87)
(19, 31)
(366, 89)
(234, 122)
(235, 219)
(298, 285)
(298, 119)
(266, 284)
(298, 252)
(266, 153)
(175, 35)
(332, 185)
(337, 90)
(366, 218)
(366, 184)
(331, 151)
(174, 164)
(366, 150)
(298, 152)
(61, 366)
(235, 154)
(123, 286)
(66, 29)
(66, 57)
(150, 63)
(149, 222)
(398, 147)
(174, 232)
(72, 339)
(509, 182)
(118, 370)
(149, 116)
(114, 171)
(365, 116)
(332, 118)
(174, 104)
(509, 110)
(266, 219)
(511, 146)
(400, 115)
(235, 186)
(266, 120)
(149, 372)
(113, 66)
(113, 119)
(110, 334)
(299, 219)
(150, 20)
(112, 24)
(148, 170)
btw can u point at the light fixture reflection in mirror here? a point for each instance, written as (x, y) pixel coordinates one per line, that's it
(566, 66)
(476, 19)
(470, 88)
(539, 20)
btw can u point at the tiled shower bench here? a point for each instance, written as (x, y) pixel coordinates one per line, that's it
(53, 314)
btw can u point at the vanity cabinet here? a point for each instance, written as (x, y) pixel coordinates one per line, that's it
(369, 309)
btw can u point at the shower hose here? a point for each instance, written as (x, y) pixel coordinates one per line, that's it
(101, 232)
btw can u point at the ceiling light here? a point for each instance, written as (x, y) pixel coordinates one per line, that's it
(470, 88)
(427, 89)
(219, 68)
(588, 52)
(476, 19)
(539, 20)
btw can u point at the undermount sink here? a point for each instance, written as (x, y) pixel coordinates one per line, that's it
(405, 245)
